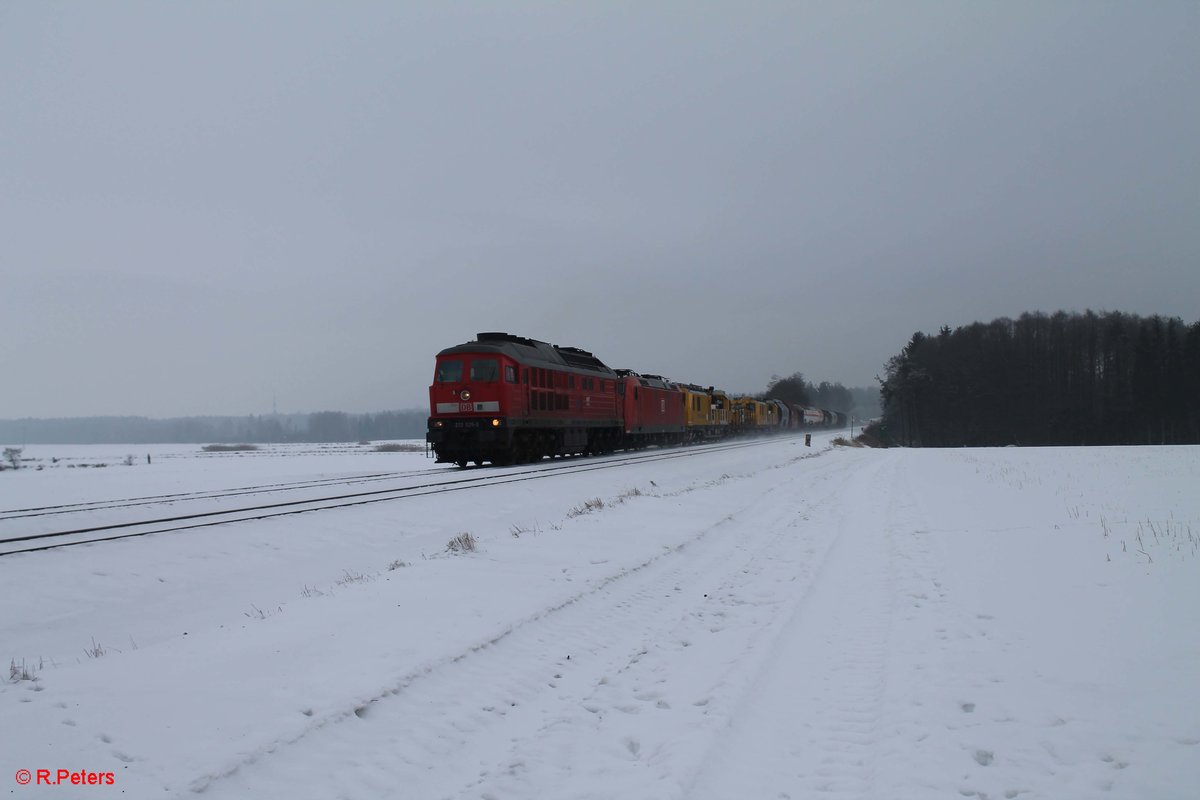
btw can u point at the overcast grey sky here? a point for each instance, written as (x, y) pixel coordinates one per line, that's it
(205, 205)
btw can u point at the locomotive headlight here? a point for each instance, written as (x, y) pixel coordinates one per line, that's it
(495, 423)
(438, 423)
(465, 394)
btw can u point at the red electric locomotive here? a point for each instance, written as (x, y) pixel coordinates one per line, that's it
(506, 399)
(653, 410)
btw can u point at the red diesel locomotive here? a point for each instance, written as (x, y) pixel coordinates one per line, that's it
(504, 398)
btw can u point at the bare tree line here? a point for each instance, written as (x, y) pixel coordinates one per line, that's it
(859, 402)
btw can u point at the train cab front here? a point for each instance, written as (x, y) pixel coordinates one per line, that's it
(468, 402)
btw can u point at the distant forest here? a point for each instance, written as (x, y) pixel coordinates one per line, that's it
(1060, 379)
(861, 403)
(323, 426)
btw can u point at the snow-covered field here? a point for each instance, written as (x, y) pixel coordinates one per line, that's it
(767, 622)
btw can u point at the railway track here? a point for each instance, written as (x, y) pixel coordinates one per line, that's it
(158, 499)
(32, 542)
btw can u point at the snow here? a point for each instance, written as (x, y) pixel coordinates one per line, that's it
(771, 621)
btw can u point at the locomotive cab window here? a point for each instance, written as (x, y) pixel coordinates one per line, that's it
(485, 370)
(510, 373)
(449, 372)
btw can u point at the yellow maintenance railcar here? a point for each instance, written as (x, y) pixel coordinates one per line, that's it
(707, 412)
(752, 415)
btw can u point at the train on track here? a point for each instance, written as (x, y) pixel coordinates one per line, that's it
(505, 399)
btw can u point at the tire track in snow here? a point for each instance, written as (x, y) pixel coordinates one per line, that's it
(657, 715)
(809, 726)
(600, 673)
